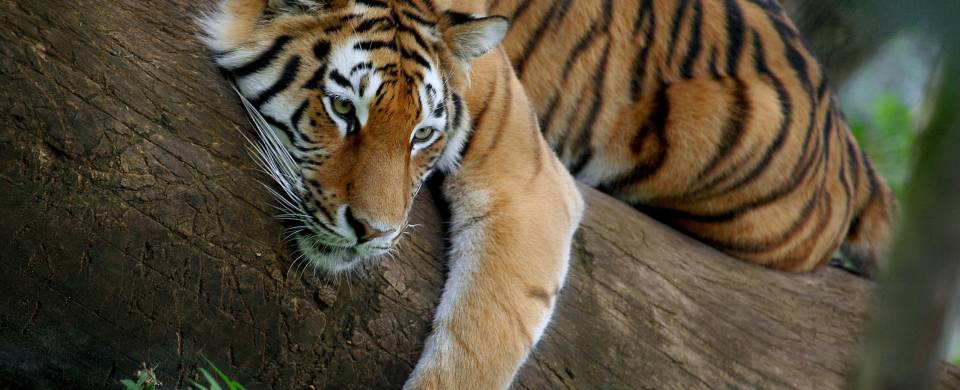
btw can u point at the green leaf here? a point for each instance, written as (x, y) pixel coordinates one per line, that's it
(196, 385)
(210, 379)
(129, 384)
(231, 384)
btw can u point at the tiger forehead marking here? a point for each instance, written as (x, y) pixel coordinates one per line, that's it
(357, 56)
(368, 74)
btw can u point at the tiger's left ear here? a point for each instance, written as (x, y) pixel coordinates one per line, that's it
(469, 36)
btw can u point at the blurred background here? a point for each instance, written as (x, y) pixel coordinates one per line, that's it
(885, 103)
(882, 60)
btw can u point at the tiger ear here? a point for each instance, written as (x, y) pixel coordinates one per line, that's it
(469, 36)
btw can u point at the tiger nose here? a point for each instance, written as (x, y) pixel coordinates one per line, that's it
(362, 229)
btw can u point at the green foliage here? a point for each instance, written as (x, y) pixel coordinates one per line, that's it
(888, 138)
(211, 382)
(147, 380)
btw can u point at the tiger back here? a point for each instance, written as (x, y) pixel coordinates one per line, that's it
(713, 116)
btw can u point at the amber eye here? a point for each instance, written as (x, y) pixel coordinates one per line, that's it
(341, 106)
(423, 134)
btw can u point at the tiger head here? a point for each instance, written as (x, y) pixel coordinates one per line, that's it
(357, 102)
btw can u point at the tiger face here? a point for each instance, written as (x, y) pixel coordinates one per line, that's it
(360, 101)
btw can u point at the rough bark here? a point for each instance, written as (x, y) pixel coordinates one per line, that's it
(134, 230)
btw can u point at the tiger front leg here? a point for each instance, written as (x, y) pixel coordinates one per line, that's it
(509, 254)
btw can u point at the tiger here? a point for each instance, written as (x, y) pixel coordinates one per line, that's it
(710, 115)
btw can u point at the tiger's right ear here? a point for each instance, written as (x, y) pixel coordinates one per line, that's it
(470, 36)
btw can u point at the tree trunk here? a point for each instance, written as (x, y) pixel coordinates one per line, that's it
(135, 231)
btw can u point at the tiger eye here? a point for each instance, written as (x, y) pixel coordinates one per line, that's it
(423, 134)
(342, 107)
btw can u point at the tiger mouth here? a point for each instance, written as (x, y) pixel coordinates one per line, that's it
(334, 258)
(333, 249)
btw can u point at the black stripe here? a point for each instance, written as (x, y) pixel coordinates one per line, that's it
(374, 45)
(507, 103)
(799, 64)
(290, 71)
(822, 88)
(416, 37)
(264, 59)
(338, 78)
(558, 10)
(547, 119)
(312, 205)
(671, 217)
(416, 57)
(583, 140)
(478, 120)
(694, 46)
(518, 12)
(417, 18)
(712, 64)
(292, 136)
(708, 189)
(372, 3)
(417, 5)
(676, 22)
(280, 126)
(786, 107)
(854, 162)
(341, 24)
(363, 65)
(807, 163)
(843, 174)
(653, 128)
(457, 109)
(812, 164)
(298, 114)
(316, 80)
(734, 24)
(642, 12)
(733, 129)
(387, 68)
(768, 5)
(640, 62)
(321, 49)
(369, 24)
(582, 44)
(459, 17)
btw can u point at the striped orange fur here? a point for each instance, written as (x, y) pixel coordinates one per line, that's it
(711, 115)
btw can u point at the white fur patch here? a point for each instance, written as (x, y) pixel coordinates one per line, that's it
(465, 251)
